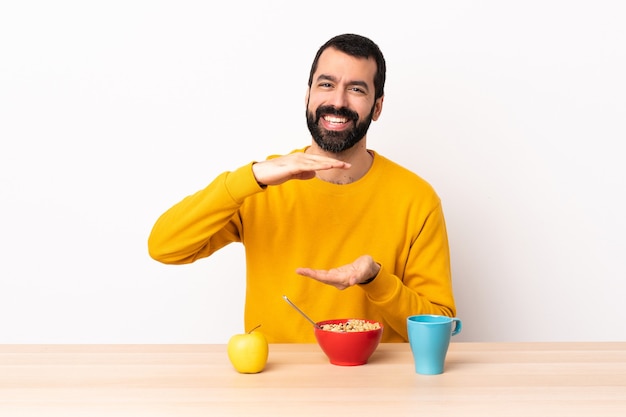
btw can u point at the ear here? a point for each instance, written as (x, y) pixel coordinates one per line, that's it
(378, 108)
(306, 97)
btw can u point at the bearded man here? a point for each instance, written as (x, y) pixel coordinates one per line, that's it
(339, 228)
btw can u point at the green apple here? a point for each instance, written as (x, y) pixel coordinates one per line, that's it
(248, 352)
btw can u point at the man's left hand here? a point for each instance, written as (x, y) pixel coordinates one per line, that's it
(361, 270)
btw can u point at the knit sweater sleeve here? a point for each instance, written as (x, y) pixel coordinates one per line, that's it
(203, 222)
(426, 287)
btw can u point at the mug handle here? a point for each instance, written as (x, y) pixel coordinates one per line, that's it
(458, 325)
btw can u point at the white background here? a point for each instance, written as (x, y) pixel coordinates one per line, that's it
(110, 112)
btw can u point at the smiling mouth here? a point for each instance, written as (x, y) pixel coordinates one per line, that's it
(335, 120)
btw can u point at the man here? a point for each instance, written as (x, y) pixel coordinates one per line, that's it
(338, 228)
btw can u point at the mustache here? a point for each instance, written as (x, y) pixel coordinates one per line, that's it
(342, 111)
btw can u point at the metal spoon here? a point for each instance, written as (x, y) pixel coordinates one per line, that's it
(301, 312)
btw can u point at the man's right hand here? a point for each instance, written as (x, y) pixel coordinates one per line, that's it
(294, 166)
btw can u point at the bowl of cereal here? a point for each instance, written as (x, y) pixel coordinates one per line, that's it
(348, 342)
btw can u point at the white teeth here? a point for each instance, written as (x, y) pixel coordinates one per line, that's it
(333, 119)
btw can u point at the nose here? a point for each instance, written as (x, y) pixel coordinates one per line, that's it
(338, 98)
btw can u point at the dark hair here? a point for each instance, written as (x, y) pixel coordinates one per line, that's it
(357, 46)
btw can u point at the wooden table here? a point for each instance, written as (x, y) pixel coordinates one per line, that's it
(480, 379)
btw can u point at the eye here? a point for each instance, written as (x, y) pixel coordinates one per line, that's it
(325, 85)
(358, 90)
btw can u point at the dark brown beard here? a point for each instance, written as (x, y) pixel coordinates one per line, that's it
(337, 142)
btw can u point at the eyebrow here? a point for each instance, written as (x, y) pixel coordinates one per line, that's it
(334, 79)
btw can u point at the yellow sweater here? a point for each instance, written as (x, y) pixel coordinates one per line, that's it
(391, 214)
